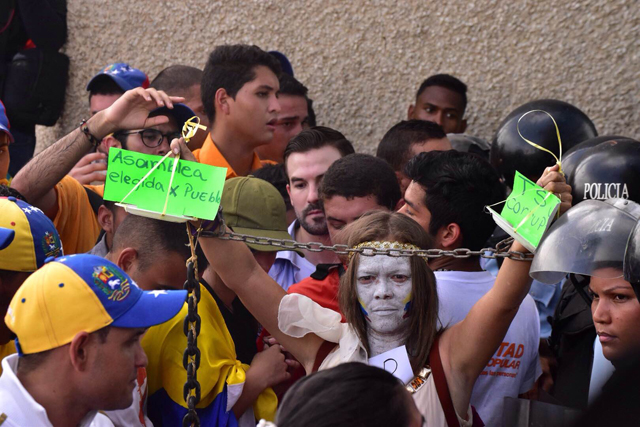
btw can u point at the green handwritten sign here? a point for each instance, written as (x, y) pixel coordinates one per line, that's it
(195, 191)
(529, 209)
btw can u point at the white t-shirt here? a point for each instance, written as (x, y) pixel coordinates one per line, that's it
(515, 366)
(20, 409)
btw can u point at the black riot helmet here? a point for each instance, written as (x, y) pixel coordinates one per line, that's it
(632, 260)
(592, 143)
(510, 152)
(605, 170)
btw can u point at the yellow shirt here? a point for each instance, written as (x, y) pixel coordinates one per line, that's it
(220, 374)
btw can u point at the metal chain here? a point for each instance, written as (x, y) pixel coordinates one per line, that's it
(192, 322)
(500, 251)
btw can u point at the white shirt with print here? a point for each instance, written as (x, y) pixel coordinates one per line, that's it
(515, 366)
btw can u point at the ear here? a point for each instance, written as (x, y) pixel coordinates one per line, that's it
(463, 125)
(449, 237)
(105, 219)
(410, 111)
(108, 142)
(79, 351)
(403, 181)
(289, 190)
(127, 259)
(221, 101)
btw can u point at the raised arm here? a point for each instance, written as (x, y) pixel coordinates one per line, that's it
(238, 269)
(234, 263)
(37, 179)
(467, 347)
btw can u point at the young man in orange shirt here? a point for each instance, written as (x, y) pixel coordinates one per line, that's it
(239, 93)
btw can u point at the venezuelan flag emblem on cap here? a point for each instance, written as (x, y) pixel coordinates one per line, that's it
(83, 293)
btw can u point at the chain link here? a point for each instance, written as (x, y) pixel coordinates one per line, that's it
(500, 251)
(192, 323)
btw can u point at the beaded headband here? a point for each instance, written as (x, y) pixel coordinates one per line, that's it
(382, 245)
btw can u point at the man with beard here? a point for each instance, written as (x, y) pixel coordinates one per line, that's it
(306, 158)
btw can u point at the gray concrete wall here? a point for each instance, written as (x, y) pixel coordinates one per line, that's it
(363, 60)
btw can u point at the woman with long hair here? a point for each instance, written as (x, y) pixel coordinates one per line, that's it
(388, 302)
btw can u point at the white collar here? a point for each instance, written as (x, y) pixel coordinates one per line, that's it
(18, 405)
(298, 261)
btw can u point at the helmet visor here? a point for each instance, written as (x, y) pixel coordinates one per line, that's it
(590, 240)
(632, 257)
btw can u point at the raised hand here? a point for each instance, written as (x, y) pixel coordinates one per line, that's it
(86, 172)
(131, 111)
(552, 180)
(178, 146)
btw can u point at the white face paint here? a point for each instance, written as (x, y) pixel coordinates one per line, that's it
(384, 291)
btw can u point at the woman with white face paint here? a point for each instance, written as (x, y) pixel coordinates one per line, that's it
(387, 302)
(384, 289)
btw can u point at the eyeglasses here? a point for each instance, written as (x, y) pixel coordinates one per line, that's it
(152, 137)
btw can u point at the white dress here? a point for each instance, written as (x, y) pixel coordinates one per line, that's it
(298, 315)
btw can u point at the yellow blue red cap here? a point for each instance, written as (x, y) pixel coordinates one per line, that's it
(27, 236)
(80, 293)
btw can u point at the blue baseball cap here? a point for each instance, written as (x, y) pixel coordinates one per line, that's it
(4, 122)
(80, 293)
(180, 112)
(125, 76)
(284, 62)
(27, 236)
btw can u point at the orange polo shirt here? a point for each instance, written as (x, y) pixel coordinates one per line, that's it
(211, 155)
(75, 220)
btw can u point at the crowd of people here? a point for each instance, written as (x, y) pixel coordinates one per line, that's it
(99, 332)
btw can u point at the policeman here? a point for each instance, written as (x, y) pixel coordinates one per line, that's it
(510, 152)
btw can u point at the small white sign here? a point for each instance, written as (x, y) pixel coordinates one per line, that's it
(396, 362)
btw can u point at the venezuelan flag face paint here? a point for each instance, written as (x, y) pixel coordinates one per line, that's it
(407, 306)
(363, 308)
